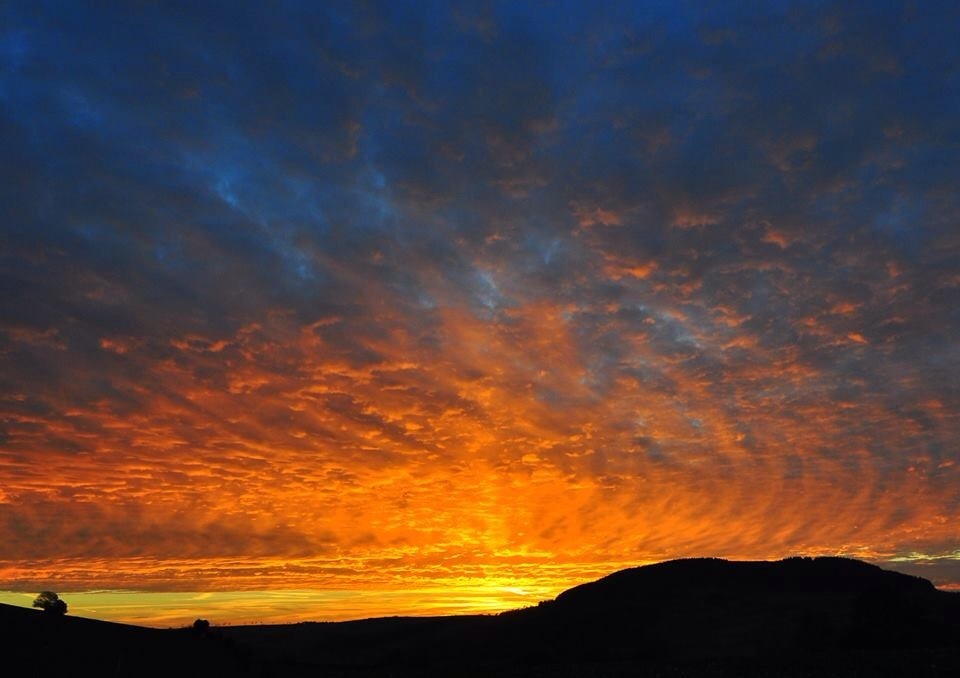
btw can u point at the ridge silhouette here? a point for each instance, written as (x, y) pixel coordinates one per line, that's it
(695, 617)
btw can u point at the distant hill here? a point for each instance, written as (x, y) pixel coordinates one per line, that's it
(698, 617)
(711, 608)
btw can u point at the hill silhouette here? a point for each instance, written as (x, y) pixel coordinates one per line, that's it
(697, 617)
(35, 643)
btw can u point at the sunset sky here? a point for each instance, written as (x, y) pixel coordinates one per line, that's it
(330, 310)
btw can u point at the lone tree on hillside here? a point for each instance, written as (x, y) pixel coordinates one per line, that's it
(50, 603)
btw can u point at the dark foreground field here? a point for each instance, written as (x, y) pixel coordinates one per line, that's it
(797, 617)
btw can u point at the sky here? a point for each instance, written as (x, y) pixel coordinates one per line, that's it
(331, 310)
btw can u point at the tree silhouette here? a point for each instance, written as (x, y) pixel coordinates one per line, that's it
(201, 625)
(50, 603)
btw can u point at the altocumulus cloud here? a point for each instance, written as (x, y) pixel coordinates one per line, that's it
(303, 295)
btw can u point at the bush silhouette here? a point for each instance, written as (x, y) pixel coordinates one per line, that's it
(50, 603)
(201, 625)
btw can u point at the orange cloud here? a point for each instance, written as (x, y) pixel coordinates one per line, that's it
(592, 215)
(685, 217)
(618, 268)
(495, 455)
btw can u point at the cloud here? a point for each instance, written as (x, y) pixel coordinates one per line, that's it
(408, 293)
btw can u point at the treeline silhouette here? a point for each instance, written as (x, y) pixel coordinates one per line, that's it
(698, 617)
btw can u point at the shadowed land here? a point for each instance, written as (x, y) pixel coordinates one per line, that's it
(698, 617)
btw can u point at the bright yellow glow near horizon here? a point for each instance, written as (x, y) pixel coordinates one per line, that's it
(164, 609)
(174, 609)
